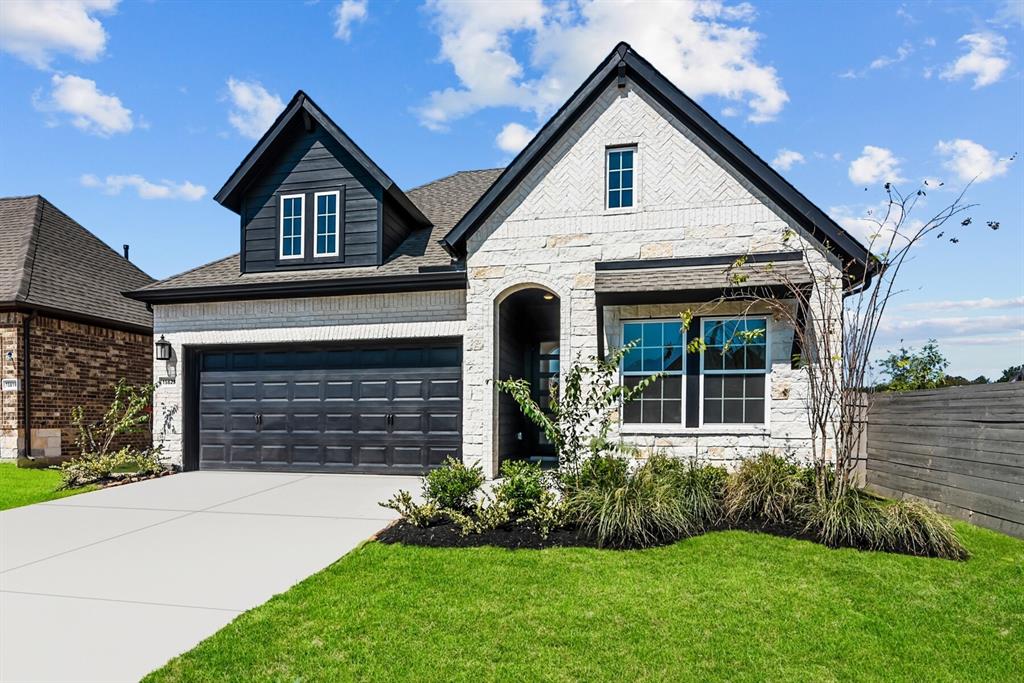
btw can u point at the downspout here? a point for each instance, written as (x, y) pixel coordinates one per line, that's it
(26, 394)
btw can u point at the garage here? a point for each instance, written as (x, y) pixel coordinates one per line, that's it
(373, 408)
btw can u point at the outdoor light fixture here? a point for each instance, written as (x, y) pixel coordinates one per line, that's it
(163, 349)
(549, 297)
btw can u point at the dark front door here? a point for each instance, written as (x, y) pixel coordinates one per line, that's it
(375, 409)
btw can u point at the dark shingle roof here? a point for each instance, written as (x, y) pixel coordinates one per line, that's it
(443, 201)
(49, 261)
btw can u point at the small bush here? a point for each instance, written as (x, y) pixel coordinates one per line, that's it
(602, 472)
(645, 510)
(95, 468)
(850, 519)
(521, 487)
(767, 489)
(453, 486)
(548, 514)
(417, 515)
(702, 489)
(915, 528)
(486, 514)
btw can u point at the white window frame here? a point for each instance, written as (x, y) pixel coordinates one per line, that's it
(681, 374)
(608, 175)
(337, 223)
(302, 228)
(767, 372)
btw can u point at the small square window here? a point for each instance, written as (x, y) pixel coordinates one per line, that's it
(620, 177)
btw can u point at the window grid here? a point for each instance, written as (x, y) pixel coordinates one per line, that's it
(327, 223)
(734, 364)
(620, 177)
(292, 210)
(660, 348)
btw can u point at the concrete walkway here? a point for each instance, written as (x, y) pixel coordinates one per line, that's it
(107, 586)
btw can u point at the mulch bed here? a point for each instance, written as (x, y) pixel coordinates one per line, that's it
(131, 479)
(519, 535)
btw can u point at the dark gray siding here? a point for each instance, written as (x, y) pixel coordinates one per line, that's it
(395, 227)
(312, 162)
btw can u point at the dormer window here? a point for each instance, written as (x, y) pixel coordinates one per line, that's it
(326, 224)
(292, 215)
(620, 177)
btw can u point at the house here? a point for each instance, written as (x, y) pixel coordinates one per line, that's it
(360, 327)
(67, 334)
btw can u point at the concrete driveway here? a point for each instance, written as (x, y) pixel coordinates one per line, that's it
(109, 585)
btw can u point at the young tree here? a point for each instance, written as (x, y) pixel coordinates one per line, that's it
(1014, 373)
(836, 317)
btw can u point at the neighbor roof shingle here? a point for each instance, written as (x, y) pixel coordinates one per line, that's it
(47, 260)
(443, 201)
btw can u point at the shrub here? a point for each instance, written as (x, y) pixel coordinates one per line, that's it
(767, 489)
(702, 489)
(418, 515)
(453, 486)
(548, 514)
(847, 519)
(601, 471)
(915, 528)
(486, 514)
(94, 468)
(644, 510)
(521, 486)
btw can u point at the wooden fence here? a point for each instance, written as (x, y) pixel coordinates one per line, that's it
(960, 449)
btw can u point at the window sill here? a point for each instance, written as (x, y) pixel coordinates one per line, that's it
(706, 430)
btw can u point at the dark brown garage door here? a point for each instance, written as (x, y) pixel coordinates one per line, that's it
(374, 409)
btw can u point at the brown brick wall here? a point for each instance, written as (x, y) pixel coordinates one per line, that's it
(76, 364)
(10, 368)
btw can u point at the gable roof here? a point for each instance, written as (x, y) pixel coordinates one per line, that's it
(419, 261)
(303, 107)
(51, 263)
(624, 62)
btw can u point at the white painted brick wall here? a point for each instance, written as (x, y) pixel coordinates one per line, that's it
(554, 227)
(313, 319)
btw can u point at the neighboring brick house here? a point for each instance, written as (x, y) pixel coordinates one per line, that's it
(62, 310)
(360, 327)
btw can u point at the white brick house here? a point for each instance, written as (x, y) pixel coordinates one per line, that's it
(362, 333)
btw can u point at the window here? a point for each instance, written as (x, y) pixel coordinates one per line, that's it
(292, 210)
(620, 177)
(326, 224)
(660, 348)
(735, 363)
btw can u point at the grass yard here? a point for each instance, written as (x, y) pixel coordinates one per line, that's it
(23, 486)
(730, 605)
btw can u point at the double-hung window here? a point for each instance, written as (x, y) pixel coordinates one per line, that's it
(326, 243)
(292, 217)
(620, 177)
(731, 372)
(734, 363)
(660, 348)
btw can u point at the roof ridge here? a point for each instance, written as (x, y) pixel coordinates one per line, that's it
(28, 264)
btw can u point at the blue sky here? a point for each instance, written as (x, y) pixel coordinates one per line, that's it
(129, 116)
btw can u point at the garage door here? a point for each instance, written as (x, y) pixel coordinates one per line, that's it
(370, 409)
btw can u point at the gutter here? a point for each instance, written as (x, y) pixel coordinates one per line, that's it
(421, 282)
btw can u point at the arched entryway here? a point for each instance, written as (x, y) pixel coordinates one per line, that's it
(528, 347)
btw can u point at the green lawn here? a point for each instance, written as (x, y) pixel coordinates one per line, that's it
(24, 486)
(730, 605)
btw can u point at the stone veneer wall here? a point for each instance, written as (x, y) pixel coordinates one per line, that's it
(72, 364)
(553, 229)
(306, 320)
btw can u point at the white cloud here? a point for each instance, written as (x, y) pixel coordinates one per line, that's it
(986, 303)
(513, 137)
(873, 165)
(348, 12)
(986, 60)
(950, 326)
(165, 189)
(697, 45)
(970, 161)
(253, 108)
(902, 52)
(877, 226)
(786, 158)
(36, 30)
(90, 110)
(1011, 13)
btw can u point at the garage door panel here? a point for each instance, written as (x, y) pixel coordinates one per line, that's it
(257, 411)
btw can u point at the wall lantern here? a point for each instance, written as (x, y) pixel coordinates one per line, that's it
(163, 349)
